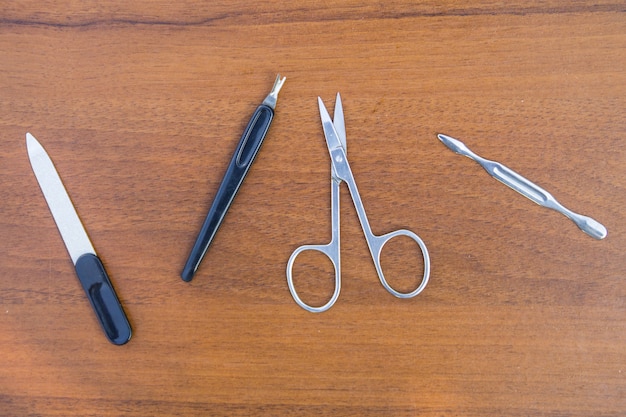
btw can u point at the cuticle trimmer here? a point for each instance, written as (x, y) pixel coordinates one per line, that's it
(242, 159)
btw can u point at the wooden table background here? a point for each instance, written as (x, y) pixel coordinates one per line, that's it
(141, 105)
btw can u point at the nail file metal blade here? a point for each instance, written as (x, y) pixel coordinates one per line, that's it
(89, 268)
(74, 235)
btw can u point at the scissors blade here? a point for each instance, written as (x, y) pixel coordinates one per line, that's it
(330, 133)
(339, 122)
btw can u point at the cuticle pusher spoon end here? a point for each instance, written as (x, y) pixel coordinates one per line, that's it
(526, 188)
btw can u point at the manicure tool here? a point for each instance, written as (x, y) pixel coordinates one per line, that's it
(88, 266)
(244, 155)
(335, 133)
(526, 188)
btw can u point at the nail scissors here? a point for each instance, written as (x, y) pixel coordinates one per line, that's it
(335, 133)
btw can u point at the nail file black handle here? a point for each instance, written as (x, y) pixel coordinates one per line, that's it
(244, 155)
(103, 299)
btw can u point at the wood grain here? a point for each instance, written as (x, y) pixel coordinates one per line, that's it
(141, 105)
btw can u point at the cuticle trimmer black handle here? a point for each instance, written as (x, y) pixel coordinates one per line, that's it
(103, 299)
(242, 159)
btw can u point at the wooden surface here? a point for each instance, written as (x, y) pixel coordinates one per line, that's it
(141, 106)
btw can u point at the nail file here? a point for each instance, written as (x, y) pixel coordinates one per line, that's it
(88, 266)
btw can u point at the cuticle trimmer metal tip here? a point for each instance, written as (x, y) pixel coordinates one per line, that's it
(271, 98)
(526, 187)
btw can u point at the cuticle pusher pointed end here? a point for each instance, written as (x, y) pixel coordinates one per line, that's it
(454, 145)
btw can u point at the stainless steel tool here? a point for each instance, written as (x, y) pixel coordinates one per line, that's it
(335, 134)
(526, 187)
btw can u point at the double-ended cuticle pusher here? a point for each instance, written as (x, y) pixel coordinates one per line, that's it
(526, 188)
(244, 155)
